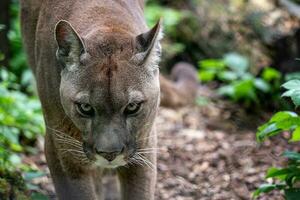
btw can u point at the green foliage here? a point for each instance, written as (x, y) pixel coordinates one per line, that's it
(12, 184)
(17, 62)
(19, 115)
(281, 121)
(237, 82)
(265, 188)
(171, 19)
(20, 119)
(288, 176)
(293, 91)
(292, 76)
(296, 1)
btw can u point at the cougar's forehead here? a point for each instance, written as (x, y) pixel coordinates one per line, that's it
(109, 76)
(109, 59)
(114, 71)
(102, 46)
(112, 83)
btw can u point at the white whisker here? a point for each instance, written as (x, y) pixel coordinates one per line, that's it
(147, 162)
(145, 138)
(149, 152)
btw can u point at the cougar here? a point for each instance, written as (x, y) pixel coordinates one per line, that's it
(96, 67)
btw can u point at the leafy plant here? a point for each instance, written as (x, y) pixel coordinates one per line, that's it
(293, 88)
(19, 115)
(17, 60)
(171, 18)
(292, 76)
(20, 119)
(287, 176)
(237, 82)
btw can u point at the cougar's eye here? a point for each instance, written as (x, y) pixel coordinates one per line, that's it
(85, 110)
(132, 108)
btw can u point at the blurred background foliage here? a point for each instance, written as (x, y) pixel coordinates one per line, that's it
(244, 51)
(21, 121)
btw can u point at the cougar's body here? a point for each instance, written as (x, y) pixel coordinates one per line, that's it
(95, 63)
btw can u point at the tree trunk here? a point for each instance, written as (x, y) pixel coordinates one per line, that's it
(4, 22)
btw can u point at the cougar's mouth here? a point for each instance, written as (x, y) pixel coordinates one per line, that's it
(107, 160)
(117, 162)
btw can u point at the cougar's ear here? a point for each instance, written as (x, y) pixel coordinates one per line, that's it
(70, 45)
(147, 44)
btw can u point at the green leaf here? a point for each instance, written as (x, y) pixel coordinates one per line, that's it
(27, 77)
(227, 90)
(267, 130)
(212, 64)
(292, 76)
(292, 155)
(289, 179)
(289, 93)
(236, 62)
(28, 176)
(283, 115)
(227, 76)
(206, 75)
(293, 87)
(2, 27)
(277, 173)
(16, 147)
(279, 122)
(262, 85)
(296, 135)
(284, 120)
(39, 196)
(288, 124)
(245, 89)
(265, 188)
(15, 159)
(292, 194)
(296, 97)
(293, 84)
(270, 74)
(2, 56)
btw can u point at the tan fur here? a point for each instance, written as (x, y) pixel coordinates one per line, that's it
(183, 90)
(107, 60)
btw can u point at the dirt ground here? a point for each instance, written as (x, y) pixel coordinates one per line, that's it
(207, 152)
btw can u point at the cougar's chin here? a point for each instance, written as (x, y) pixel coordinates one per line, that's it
(103, 163)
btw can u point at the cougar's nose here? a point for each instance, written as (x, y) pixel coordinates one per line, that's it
(109, 155)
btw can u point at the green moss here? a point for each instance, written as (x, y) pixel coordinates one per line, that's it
(4, 188)
(12, 186)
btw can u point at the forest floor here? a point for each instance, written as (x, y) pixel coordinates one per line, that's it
(207, 152)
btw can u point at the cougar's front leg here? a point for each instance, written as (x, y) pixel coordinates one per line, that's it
(69, 185)
(138, 182)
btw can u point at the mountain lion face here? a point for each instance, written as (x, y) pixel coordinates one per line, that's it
(109, 89)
